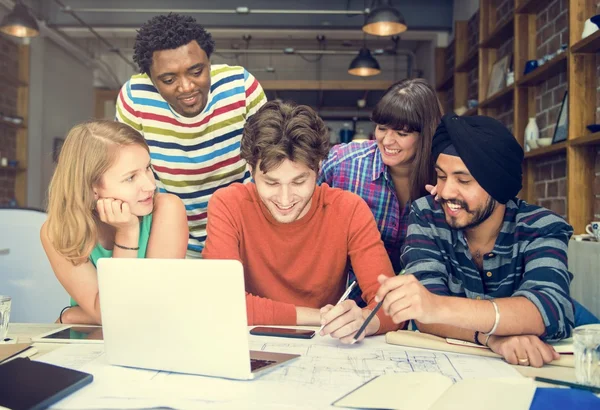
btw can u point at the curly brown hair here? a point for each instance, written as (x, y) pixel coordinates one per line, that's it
(284, 130)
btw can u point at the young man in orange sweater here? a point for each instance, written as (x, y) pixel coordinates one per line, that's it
(294, 238)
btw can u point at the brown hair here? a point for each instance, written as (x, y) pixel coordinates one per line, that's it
(411, 105)
(87, 153)
(284, 130)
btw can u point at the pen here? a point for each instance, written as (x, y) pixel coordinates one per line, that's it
(373, 313)
(344, 297)
(568, 384)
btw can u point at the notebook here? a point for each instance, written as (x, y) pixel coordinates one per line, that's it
(433, 391)
(29, 385)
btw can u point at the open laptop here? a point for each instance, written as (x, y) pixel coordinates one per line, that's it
(180, 315)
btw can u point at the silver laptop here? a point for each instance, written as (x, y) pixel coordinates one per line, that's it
(179, 315)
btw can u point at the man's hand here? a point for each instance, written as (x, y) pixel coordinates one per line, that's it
(524, 350)
(343, 321)
(432, 189)
(405, 298)
(116, 213)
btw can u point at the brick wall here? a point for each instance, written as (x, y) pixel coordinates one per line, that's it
(449, 59)
(449, 107)
(550, 183)
(598, 81)
(505, 113)
(597, 179)
(472, 44)
(8, 105)
(504, 9)
(473, 79)
(473, 32)
(598, 89)
(597, 186)
(550, 176)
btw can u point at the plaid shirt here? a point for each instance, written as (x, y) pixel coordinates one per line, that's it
(529, 259)
(357, 167)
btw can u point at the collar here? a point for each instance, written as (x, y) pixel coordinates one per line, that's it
(379, 168)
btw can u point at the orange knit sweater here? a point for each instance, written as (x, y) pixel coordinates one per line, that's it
(303, 263)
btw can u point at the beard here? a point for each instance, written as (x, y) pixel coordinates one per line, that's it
(479, 215)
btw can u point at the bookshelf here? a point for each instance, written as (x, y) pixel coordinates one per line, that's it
(577, 62)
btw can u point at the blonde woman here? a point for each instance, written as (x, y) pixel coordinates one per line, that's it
(103, 203)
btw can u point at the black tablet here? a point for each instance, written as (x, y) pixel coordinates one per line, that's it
(72, 334)
(29, 385)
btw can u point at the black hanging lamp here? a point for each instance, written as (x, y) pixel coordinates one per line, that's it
(384, 20)
(19, 22)
(364, 64)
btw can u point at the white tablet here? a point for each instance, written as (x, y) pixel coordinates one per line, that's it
(72, 334)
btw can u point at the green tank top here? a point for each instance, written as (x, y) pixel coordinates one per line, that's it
(99, 252)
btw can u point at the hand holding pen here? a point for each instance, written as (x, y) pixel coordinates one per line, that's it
(373, 312)
(342, 320)
(404, 298)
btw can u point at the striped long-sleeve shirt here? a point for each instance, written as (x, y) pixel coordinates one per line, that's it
(193, 157)
(529, 259)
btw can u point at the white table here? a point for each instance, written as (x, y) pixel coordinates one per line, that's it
(24, 332)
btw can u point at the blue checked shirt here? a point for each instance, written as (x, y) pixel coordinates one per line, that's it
(529, 259)
(357, 167)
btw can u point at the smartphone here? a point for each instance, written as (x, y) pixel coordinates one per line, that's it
(282, 332)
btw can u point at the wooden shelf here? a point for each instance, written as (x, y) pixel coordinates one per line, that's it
(547, 151)
(545, 72)
(590, 44)
(531, 7)
(446, 83)
(12, 169)
(500, 34)
(12, 124)
(497, 98)
(470, 112)
(10, 80)
(469, 63)
(590, 139)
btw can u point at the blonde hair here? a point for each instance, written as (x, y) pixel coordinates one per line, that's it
(87, 153)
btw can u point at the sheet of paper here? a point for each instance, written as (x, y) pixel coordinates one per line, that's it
(432, 391)
(326, 371)
(402, 391)
(514, 394)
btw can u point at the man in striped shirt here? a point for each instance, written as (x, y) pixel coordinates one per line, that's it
(191, 113)
(484, 266)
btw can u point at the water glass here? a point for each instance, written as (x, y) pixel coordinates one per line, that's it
(4, 316)
(586, 343)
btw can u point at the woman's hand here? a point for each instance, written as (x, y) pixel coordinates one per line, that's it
(116, 213)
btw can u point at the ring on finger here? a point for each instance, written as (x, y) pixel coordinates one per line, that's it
(523, 361)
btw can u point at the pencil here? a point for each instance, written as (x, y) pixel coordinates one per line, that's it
(373, 313)
(593, 389)
(344, 297)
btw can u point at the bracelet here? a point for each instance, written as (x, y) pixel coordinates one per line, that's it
(476, 337)
(63, 311)
(496, 321)
(487, 338)
(126, 248)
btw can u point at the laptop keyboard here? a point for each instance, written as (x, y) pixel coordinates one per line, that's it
(256, 364)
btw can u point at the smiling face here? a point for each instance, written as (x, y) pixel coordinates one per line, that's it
(182, 77)
(129, 179)
(465, 203)
(397, 147)
(286, 190)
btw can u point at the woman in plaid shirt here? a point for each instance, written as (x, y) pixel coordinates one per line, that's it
(391, 171)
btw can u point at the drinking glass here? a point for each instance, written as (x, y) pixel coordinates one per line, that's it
(586, 343)
(5, 302)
